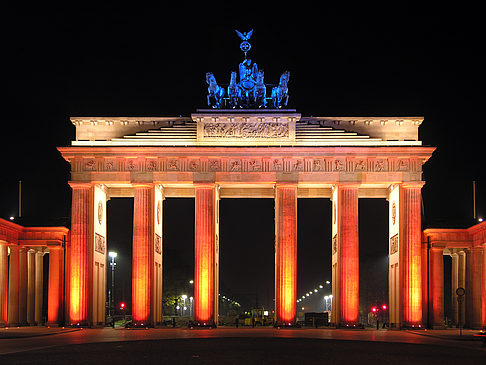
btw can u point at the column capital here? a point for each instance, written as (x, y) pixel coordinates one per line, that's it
(413, 184)
(142, 185)
(79, 184)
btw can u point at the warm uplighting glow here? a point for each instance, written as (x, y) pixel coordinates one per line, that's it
(204, 270)
(286, 253)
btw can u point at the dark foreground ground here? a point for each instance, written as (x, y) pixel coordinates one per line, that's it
(244, 350)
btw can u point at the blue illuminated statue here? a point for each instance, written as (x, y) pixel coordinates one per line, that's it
(280, 95)
(250, 92)
(216, 92)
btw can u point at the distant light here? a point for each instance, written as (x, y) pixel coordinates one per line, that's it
(328, 282)
(178, 307)
(307, 295)
(330, 296)
(326, 297)
(122, 305)
(479, 219)
(315, 290)
(12, 218)
(374, 309)
(303, 308)
(191, 281)
(303, 296)
(184, 296)
(265, 313)
(112, 254)
(320, 287)
(384, 307)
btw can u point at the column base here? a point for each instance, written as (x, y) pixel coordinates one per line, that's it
(202, 324)
(52, 324)
(292, 324)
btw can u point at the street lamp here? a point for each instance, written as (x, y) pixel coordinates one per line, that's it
(111, 293)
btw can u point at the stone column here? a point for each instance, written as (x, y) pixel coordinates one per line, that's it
(142, 254)
(31, 287)
(461, 279)
(55, 285)
(206, 255)
(345, 256)
(3, 283)
(39, 282)
(285, 253)
(483, 289)
(23, 286)
(454, 286)
(13, 287)
(78, 274)
(473, 287)
(411, 232)
(436, 287)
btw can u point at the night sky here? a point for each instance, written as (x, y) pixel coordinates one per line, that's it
(126, 61)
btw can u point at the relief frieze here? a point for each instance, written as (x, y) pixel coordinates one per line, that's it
(248, 164)
(246, 130)
(100, 243)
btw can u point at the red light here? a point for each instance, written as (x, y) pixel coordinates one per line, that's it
(384, 307)
(122, 306)
(374, 309)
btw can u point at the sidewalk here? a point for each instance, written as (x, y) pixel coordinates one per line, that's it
(25, 332)
(449, 334)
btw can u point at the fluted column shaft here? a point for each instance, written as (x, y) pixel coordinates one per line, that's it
(3, 283)
(142, 254)
(473, 287)
(39, 282)
(31, 287)
(347, 285)
(285, 253)
(23, 276)
(13, 287)
(205, 271)
(55, 285)
(483, 289)
(436, 284)
(411, 256)
(79, 254)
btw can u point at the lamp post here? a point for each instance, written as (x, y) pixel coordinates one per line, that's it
(111, 296)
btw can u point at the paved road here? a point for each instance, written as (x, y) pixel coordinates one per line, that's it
(243, 345)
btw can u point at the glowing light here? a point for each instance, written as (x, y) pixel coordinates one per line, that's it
(320, 287)
(112, 254)
(12, 218)
(384, 307)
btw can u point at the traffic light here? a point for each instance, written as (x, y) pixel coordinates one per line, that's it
(384, 307)
(122, 306)
(374, 309)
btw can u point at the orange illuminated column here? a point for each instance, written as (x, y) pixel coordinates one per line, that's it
(31, 287)
(411, 254)
(143, 254)
(345, 255)
(436, 287)
(473, 287)
(285, 253)
(3, 283)
(78, 274)
(206, 254)
(23, 272)
(55, 284)
(13, 287)
(483, 289)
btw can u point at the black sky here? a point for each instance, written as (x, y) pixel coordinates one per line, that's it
(110, 60)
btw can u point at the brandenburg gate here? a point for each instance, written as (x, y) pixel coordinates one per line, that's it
(267, 153)
(250, 145)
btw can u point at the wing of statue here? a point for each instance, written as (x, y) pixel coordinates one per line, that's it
(240, 35)
(248, 35)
